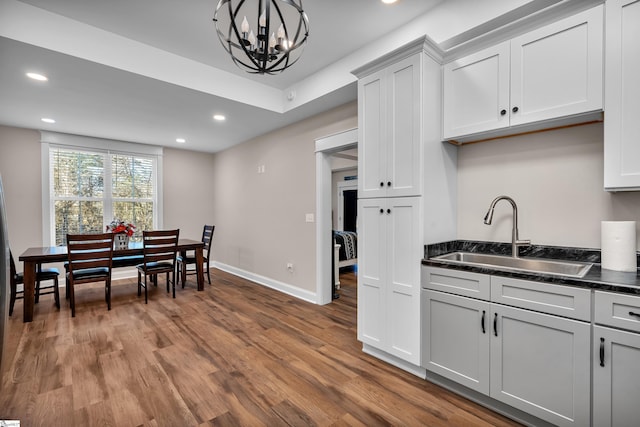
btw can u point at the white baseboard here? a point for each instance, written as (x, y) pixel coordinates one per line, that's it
(132, 272)
(269, 283)
(124, 273)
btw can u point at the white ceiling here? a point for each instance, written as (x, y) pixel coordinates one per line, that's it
(151, 71)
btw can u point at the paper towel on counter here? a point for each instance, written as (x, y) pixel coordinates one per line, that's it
(618, 248)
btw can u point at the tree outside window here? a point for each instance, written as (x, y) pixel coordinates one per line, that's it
(89, 189)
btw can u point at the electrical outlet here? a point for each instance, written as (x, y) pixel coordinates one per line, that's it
(290, 267)
(309, 217)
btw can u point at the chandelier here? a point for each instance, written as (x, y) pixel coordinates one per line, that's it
(262, 36)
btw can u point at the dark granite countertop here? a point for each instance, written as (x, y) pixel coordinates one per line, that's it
(596, 278)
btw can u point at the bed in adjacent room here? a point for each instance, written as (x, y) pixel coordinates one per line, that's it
(348, 252)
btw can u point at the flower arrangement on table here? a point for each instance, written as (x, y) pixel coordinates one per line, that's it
(118, 226)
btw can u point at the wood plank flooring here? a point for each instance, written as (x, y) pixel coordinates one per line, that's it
(237, 354)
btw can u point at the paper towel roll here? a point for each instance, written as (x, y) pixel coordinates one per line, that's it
(618, 250)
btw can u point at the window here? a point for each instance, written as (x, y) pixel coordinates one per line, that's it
(88, 188)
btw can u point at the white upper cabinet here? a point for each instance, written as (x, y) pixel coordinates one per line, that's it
(622, 98)
(545, 78)
(389, 116)
(476, 92)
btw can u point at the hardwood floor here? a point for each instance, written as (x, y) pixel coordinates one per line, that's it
(237, 354)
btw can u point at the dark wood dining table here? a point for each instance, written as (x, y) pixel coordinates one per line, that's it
(33, 257)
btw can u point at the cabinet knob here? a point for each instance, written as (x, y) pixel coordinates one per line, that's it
(388, 183)
(388, 211)
(381, 184)
(514, 109)
(381, 210)
(503, 112)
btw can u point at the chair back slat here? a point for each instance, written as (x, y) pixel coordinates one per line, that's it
(160, 245)
(89, 250)
(12, 267)
(90, 259)
(207, 236)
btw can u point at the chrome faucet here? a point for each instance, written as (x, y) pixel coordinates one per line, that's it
(515, 239)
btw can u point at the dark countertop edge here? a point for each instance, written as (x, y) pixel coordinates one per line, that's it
(596, 278)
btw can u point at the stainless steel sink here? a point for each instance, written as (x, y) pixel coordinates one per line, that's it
(499, 262)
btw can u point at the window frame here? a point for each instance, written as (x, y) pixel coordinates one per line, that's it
(108, 147)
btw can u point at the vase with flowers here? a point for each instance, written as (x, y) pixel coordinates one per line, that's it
(122, 230)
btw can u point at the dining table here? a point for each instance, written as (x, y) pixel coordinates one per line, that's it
(32, 258)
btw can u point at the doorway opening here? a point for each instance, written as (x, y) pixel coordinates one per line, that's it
(346, 208)
(326, 149)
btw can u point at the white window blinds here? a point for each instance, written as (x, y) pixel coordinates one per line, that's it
(89, 188)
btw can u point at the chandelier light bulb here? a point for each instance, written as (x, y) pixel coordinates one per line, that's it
(263, 20)
(244, 27)
(252, 38)
(281, 33)
(272, 41)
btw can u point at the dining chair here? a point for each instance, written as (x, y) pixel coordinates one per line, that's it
(89, 260)
(159, 256)
(45, 274)
(185, 259)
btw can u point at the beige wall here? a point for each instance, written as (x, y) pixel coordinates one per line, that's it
(22, 179)
(188, 193)
(260, 217)
(555, 177)
(186, 173)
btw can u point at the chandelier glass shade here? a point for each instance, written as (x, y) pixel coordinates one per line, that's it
(262, 36)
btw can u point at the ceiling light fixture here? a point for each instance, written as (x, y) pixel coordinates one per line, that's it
(47, 120)
(219, 117)
(280, 37)
(181, 140)
(388, 1)
(36, 76)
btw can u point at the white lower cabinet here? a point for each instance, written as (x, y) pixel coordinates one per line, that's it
(456, 338)
(616, 361)
(535, 362)
(540, 364)
(616, 378)
(389, 251)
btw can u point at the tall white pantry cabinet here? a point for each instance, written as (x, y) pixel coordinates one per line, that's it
(406, 195)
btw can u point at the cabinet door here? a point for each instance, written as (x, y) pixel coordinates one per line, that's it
(372, 131)
(541, 364)
(389, 129)
(456, 336)
(616, 377)
(404, 251)
(556, 70)
(372, 243)
(404, 148)
(476, 92)
(622, 99)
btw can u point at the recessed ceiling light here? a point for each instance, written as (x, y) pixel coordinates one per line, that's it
(219, 117)
(181, 140)
(388, 1)
(36, 76)
(47, 120)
